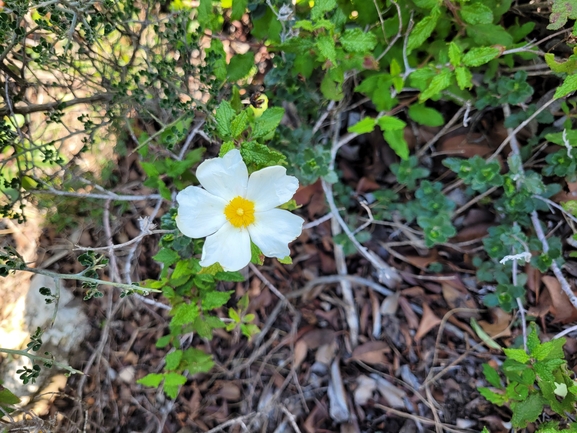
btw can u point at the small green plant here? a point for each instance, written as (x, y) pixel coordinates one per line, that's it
(533, 380)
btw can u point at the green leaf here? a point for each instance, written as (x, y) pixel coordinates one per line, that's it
(166, 256)
(197, 361)
(355, 40)
(425, 116)
(568, 67)
(426, 4)
(173, 360)
(7, 397)
(397, 142)
(476, 13)
(174, 379)
(489, 34)
(238, 9)
(261, 155)
(229, 276)
(322, 6)
(464, 78)
(550, 350)
(326, 46)
(183, 314)
(527, 411)
(286, 260)
(518, 355)
(364, 126)
(215, 299)
(390, 123)
(485, 337)
(204, 12)
(331, 89)
(439, 83)
(153, 380)
(533, 341)
(455, 54)
(240, 66)
(163, 341)
(493, 397)
(568, 86)
(423, 29)
(492, 376)
(268, 122)
(224, 115)
(239, 124)
(560, 12)
(480, 56)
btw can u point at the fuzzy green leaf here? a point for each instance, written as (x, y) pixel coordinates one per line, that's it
(240, 66)
(464, 78)
(568, 86)
(397, 142)
(215, 299)
(357, 41)
(518, 355)
(550, 350)
(152, 380)
(166, 256)
(492, 376)
(476, 13)
(480, 56)
(183, 314)
(493, 397)
(238, 9)
(423, 29)
(560, 12)
(568, 67)
(173, 360)
(364, 126)
(261, 155)
(439, 83)
(322, 6)
(527, 411)
(174, 379)
(455, 54)
(268, 122)
(425, 116)
(390, 123)
(197, 361)
(224, 115)
(326, 46)
(239, 124)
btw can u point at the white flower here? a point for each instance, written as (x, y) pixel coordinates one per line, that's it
(234, 209)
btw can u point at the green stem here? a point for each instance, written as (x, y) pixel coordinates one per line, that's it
(78, 277)
(40, 359)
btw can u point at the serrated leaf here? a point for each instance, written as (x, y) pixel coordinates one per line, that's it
(423, 29)
(239, 124)
(439, 83)
(174, 379)
(261, 155)
(455, 54)
(238, 9)
(224, 115)
(476, 13)
(322, 6)
(229, 276)
(425, 116)
(166, 256)
(183, 314)
(240, 66)
(326, 46)
(390, 123)
(171, 391)
(569, 86)
(153, 380)
(397, 142)
(480, 56)
(489, 34)
(215, 299)
(518, 355)
(493, 397)
(364, 126)
(568, 67)
(527, 411)
(464, 78)
(356, 40)
(550, 350)
(268, 122)
(197, 361)
(173, 360)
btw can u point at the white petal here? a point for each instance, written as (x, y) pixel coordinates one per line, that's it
(229, 246)
(273, 230)
(271, 187)
(199, 212)
(224, 177)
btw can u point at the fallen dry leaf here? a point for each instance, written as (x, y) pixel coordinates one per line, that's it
(372, 353)
(428, 322)
(459, 298)
(561, 309)
(364, 391)
(500, 325)
(410, 315)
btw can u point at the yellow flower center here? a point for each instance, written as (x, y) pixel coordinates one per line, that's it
(240, 212)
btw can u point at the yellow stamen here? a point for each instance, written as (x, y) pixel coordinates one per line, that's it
(240, 212)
